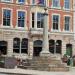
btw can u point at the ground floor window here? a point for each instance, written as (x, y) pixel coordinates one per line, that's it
(55, 46)
(20, 46)
(16, 45)
(24, 45)
(3, 47)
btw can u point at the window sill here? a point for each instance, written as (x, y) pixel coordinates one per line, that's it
(52, 30)
(56, 7)
(68, 9)
(7, 1)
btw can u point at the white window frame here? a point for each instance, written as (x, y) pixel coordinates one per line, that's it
(10, 18)
(58, 23)
(55, 6)
(69, 6)
(11, 1)
(69, 23)
(25, 24)
(36, 20)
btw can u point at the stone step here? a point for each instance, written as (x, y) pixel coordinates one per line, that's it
(46, 68)
(44, 64)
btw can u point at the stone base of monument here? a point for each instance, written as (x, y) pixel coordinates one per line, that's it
(45, 53)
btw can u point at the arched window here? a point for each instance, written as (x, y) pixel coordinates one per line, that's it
(24, 45)
(58, 46)
(16, 45)
(51, 46)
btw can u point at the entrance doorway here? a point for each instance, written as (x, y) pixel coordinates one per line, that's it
(37, 47)
(69, 49)
(3, 47)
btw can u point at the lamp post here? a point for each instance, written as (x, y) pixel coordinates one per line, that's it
(45, 46)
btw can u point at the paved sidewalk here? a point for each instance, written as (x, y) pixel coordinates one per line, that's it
(34, 72)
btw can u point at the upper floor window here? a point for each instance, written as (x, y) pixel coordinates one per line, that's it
(55, 3)
(21, 1)
(67, 4)
(33, 20)
(40, 18)
(21, 18)
(6, 0)
(6, 17)
(67, 23)
(41, 2)
(33, 1)
(55, 22)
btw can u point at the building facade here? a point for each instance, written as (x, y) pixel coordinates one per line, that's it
(21, 27)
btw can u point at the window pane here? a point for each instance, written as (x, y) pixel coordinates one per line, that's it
(6, 17)
(40, 18)
(33, 20)
(21, 19)
(16, 45)
(67, 4)
(41, 2)
(67, 23)
(21, 0)
(56, 3)
(24, 46)
(55, 22)
(33, 1)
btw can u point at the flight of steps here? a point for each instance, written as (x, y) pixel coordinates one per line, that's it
(44, 64)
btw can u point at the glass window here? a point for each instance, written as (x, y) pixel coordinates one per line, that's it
(33, 1)
(40, 18)
(56, 3)
(24, 45)
(55, 22)
(67, 4)
(21, 19)
(16, 45)
(42, 2)
(67, 23)
(6, 17)
(33, 20)
(21, 1)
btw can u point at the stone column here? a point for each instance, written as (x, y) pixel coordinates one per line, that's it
(10, 47)
(30, 48)
(74, 18)
(45, 47)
